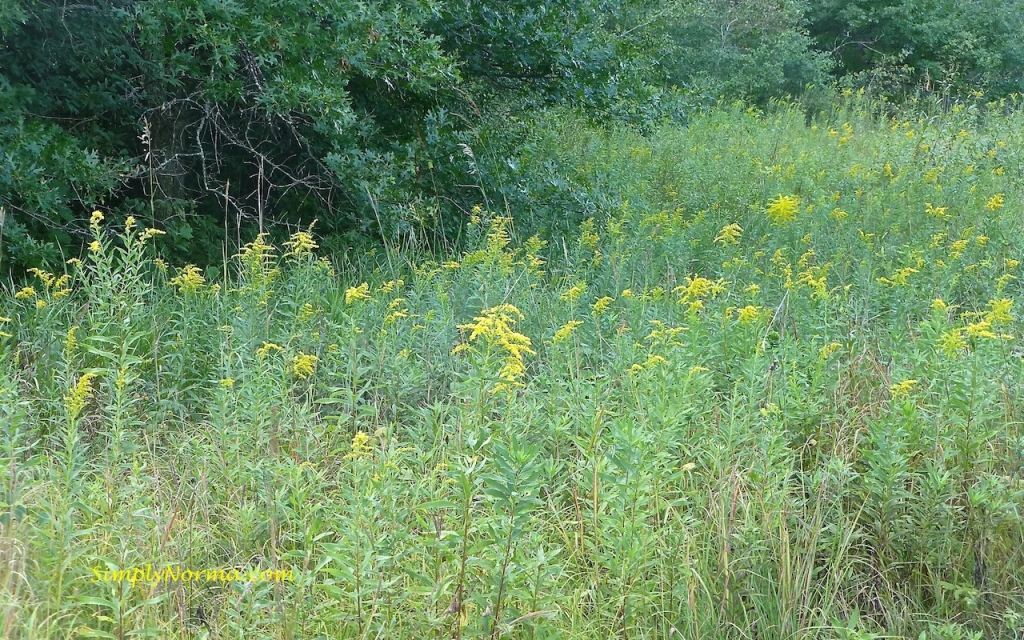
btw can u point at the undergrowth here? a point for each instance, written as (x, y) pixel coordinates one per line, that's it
(770, 389)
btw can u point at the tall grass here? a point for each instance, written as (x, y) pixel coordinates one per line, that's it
(770, 389)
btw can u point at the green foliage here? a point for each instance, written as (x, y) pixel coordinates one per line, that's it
(768, 387)
(900, 45)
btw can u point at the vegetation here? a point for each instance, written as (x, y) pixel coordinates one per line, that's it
(768, 388)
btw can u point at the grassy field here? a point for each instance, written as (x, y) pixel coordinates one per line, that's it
(771, 389)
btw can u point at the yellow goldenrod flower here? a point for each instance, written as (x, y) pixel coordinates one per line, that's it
(574, 292)
(937, 212)
(267, 348)
(94, 246)
(952, 342)
(301, 243)
(981, 329)
(698, 288)
(783, 209)
(96, 218)
(303, 365)
(902, 389)
(565, 331)
(999, 311)
(25, 293)
(626, 293)
(730, 234)
(939, 305)
(360, 447)
(995, 202)
(957, 249)
(79, 395)
(226, 383)
(40, 304)
(495, 326)
(362, 292)
(828, 350)
(189, 279)
(749, 314)
(651, 361)
(602, 305)
(152, 233)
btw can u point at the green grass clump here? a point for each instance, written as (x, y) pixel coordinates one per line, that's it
(771, 389)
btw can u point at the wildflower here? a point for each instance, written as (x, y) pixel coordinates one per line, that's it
(957, 249)
(94, 246)
(939, 305)
(574, 292)
(40, 304)
(565, 331)
(982, 240)
(390, 286)
(301, 243)
(495, 326)
(730, 234)
(937, 212)
(828, 350)
(360, 447)
(25, 293)
(952, 342)
(698, 288)
(74, 262)
(267, 348)
(602, 305)
(749, 314)
(902, 389)
(96, 219)
(362, 292)
(226, 383)
(303, 365)
(152, 233)
(783, 209)
(689, 466)
(589, 237)
(982, 329)
(752, 289)
(79, 395)
(651, 361)
(4, 334)
(995, 202)
(189, 279)
(999, 311)
(899, 278)
(626, 293)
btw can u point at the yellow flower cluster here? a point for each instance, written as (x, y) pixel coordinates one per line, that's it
(902, 389)
(565, 331)
(79, 395)
(573, 293)
(301, 243)
(304, 365)
(652, 361)
(783, 209)
(360, 447)
(496, 327)
(189, 279)
(362, 292)
(995, 202)
(730, 234)
(56, 286)
(697, 289)
(602, 305)
(267, 348)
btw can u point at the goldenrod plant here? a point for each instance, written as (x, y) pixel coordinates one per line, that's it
(769, 388)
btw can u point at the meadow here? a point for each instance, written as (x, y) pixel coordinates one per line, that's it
(769, 388)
